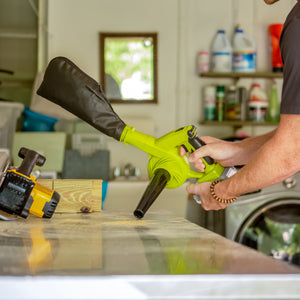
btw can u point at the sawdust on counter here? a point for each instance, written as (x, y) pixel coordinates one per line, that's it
(128, 223)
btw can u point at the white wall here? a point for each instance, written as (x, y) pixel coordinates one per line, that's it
(74, 26)
(184, 28)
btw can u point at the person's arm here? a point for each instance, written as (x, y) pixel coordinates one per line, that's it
(227, 153)
(248, 148)
(276, 160)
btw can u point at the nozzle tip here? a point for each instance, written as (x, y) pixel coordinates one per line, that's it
(138, 213)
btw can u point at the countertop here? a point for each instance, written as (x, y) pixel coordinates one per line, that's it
(112, 255)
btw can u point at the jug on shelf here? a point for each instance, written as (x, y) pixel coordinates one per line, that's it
(221, 53)
(244, 52)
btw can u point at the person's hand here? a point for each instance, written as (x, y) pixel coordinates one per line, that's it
(222, 152)
(199, 164)
(203, 191)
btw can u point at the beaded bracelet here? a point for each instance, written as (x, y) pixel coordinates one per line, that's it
(212, 191)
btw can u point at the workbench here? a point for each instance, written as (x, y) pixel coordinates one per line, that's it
(112, 255)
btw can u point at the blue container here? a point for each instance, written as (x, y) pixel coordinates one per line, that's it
(37, 122)
(104, 191)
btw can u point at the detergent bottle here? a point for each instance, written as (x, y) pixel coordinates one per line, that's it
(258, 103)
(244, 52)
(221, 53)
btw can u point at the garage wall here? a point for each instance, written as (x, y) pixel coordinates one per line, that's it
(73, 31)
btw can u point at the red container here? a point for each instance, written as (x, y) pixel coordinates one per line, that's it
(275, 32)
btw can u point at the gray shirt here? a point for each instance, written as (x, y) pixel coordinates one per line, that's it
(290, 52)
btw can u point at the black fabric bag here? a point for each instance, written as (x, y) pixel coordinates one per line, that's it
(68, 86)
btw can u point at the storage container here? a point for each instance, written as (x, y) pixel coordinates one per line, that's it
(37, 122)
(9, 115)
(93, 166)
(87, 143)
(49, 144)
(258, 110)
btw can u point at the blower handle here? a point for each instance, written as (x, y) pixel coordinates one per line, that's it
(196, 142)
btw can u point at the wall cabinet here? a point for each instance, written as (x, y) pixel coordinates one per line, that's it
(21, 27)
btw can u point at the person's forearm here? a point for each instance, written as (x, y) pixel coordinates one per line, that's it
(276, 160)
(265, 169)
(249, 146)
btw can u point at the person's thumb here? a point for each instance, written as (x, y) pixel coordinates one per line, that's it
(191, 188)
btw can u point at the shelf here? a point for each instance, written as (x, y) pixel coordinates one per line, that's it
(16, 79)
(236, 75)
(237, 124)
(18, 34)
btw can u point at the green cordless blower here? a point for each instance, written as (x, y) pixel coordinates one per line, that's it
(68, 86)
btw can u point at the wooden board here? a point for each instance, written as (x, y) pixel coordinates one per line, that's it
(76, 195)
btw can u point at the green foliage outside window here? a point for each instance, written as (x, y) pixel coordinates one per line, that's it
(124, 57)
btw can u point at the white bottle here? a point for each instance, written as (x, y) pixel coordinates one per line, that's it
(257, 93)
(258, 103)
(221, 53)
(244, 52)
(209, 93)
(203, 62)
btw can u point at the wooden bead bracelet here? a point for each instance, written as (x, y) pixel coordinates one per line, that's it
(220, 200)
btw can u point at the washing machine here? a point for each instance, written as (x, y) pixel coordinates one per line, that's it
(268, 220)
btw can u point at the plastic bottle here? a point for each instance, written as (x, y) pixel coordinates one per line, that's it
(220, 102)
(221, 53)
(209, 103)
(244, 52)
(231, 103)
(275, 32)
(258, 103)
(203, 62)
(242, 96)
(257, 93)
(273, 114)
(258, 110)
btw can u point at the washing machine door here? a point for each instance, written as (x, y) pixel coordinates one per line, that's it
(274, 229)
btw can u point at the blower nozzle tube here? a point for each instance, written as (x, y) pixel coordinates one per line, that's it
(154, 188)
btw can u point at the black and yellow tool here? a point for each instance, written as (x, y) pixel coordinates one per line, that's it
(20, 194)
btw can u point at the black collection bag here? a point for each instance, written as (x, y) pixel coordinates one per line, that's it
(68, 86)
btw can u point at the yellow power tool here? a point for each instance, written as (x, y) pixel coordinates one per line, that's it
(20, 194)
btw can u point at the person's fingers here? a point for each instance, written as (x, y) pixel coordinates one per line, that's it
(199, 165)
(182, 151)
(199, 153)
